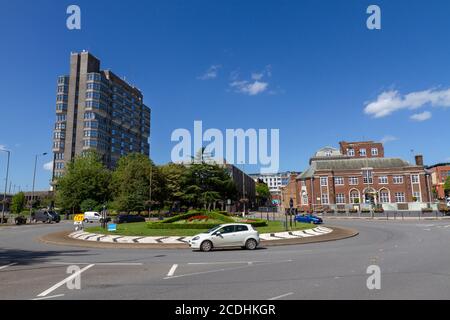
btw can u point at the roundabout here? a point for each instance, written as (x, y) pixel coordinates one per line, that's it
(412, 266)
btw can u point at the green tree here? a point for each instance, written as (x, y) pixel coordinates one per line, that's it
(447, 186)
(262, 193)
(89, 205)
(131, 183)
(205, 184)
(85, 178)
(18, 202)
(172, 174)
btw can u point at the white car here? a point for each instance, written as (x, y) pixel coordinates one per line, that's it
(226, 235)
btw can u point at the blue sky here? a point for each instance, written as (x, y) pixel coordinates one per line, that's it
(309, 68)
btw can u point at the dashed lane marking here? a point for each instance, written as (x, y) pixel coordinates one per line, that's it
(282, 296)
(172, 270)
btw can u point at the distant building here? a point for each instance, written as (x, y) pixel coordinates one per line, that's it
(245, 185)
(38, 197)
(275, 182)
(439, 173)
(97, 110)
(290, 191)
(342, 178)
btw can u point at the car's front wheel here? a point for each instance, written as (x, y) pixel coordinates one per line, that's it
(251, 244)
(206, 246)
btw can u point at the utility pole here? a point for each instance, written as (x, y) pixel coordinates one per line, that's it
(34, 179)
(243, 188)
(6, 184)
(150, 191)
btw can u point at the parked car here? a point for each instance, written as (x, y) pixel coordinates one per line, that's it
(46, 216)
(308, 218)
(226, 235)
(93, 216)
(20, 220)
(129, 218)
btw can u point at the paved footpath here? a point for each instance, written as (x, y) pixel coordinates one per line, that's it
(82, 235)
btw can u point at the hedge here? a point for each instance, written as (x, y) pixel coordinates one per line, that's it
(185, 216)
(156, 225)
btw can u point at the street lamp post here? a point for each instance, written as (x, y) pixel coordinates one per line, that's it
(34, 179)
(6, 184)
(243, 188)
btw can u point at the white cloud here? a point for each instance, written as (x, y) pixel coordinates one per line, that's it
(211, 73)
(250, 88)
(390, 101)
(255, 85)
(2, 147)
(257, 76)
(48, 166)
(388, 138)
(423, 116)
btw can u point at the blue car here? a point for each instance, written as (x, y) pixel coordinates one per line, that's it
(308, 218)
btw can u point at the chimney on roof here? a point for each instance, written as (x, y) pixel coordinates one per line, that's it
(419, 160)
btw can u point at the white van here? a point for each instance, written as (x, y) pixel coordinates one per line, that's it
(92, 216)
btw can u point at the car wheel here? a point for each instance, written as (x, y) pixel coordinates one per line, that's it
(85, 220)
(206, 246)
(251, 244)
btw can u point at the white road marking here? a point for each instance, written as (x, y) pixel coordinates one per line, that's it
(49, 297)
(233, 262)
(98, 263)
(282, 296)
(8, 265)
(172, 270)
(59, 284)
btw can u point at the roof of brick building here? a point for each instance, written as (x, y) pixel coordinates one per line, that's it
(353, 164)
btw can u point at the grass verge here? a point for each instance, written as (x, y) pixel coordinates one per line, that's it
(140, 229)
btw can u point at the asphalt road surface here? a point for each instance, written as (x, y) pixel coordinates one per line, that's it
(414, 258)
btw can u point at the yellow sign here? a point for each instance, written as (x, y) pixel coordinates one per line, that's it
(78, 217)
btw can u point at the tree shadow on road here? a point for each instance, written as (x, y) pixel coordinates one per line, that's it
(26, 257)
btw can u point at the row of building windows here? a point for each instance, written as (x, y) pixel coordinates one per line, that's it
(384, 197)
(62, 97)
(59, 165)
(61, 107)
(60, 126)
(340, 181)
(96, 105)
(58, 144)
(59, 135)
(61, 117)
(63, 89)
(63, 80)
(363, 152)
(59, 156)
(94, 77)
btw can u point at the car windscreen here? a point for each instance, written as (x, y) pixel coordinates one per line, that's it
(213, 229)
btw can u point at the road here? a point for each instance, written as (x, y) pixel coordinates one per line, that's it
(414, 257)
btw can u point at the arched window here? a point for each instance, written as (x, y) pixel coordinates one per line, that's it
(354, 196)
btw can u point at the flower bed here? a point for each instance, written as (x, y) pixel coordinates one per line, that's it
(197, 218)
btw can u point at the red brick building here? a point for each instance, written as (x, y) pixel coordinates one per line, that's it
(359, 175)
(439, 174)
